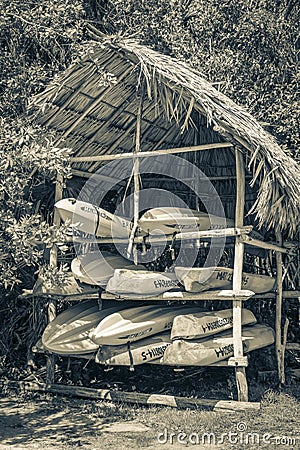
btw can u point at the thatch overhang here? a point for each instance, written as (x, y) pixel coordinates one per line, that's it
(93, 106)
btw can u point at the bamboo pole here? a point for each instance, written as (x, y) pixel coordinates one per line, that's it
(136, 175)
(150, 153)
(285, 332)
(278, 342)
(220, 295)
(240, 371)
(266, 245)
(51, 310)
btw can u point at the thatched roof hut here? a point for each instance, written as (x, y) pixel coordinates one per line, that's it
(93, 106)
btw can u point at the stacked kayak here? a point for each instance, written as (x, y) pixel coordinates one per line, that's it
(136, 353)
(97, 268)
(168, 335)
(92, 219)
(141, 282)
(133, 324)
(168, 220)
(68, 333)
(208, 341)
(211, 350)
(198, 279)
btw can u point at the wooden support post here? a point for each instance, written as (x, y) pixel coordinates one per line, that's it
(279, 297)
(136, 178)
(240, 371)
(50, 365)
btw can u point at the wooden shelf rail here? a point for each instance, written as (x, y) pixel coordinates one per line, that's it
(151, 153)
(225, 295)
(152, 239)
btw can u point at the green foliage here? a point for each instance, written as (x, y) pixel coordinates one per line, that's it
(28, 160)
(37, 39)
(248, 49)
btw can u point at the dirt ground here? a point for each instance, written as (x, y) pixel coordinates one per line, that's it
(63, 424)
(48, 422)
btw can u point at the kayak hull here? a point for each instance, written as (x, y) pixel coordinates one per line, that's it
(92, 219)
(96, 268)
(69, 332)
(168, 220)
(200, 325)
(202, 279)
(136, 353)
(133, 324)
(141, 282)
(204, 352)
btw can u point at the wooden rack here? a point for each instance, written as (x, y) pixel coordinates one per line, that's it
(239, 232)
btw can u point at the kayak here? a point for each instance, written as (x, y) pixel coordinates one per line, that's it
(198, 325)
(96, 268)
(168, 220)
(204, 352)
(133, 324)
(198, 279)
(92, 219)
(69, 332)
(141, 282)
(135, 353)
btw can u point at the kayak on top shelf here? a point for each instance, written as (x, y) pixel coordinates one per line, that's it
(198, 279)
(168, 220)
(203, 352)
(200, 325)
(92, 219)
(133, 354)
(97, 267)
(141, 282)
(137, 323)
(69, 332)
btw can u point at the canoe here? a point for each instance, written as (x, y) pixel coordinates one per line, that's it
(198, 279)
(136, 353)
(199, 325)
(141, 282)
(69, 332)
(133, 324)
(96, 268)
(168, 220)
(204, 352)
(92, 219)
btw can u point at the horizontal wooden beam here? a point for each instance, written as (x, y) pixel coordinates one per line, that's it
(135, 397)
(292, 346)
(152, 239)
(266, 245)
(111, 180)
(147, 154)
(186, 296)
(285, 294)
(83, 174)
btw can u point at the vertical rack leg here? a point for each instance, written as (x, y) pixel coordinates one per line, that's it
(278, 343)
(136, 178)
(50, 364)
(240, 372)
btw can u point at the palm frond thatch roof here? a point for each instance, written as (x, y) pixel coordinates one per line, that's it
(94, 106)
